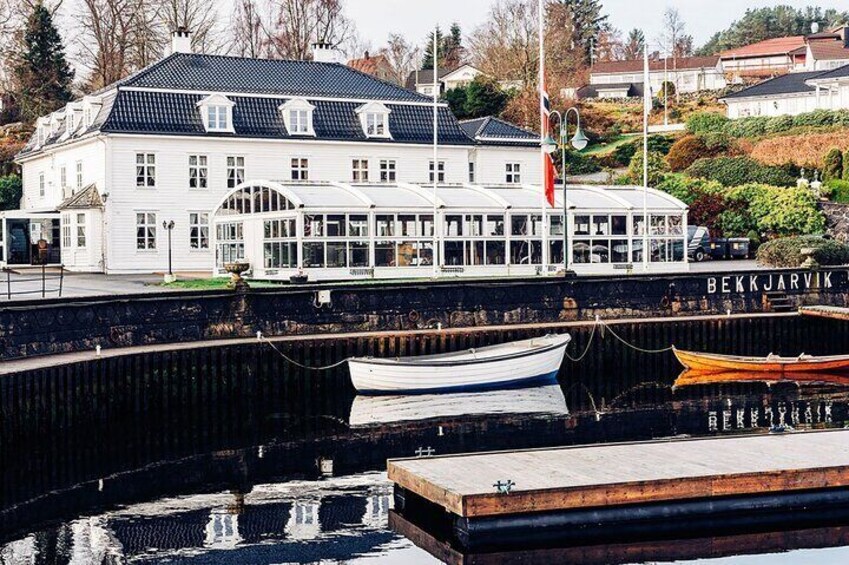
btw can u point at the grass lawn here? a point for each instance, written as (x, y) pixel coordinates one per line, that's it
(217, 283)
(605, 148)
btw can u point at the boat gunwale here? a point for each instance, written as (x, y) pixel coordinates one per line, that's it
(760, 360)
(431, 361)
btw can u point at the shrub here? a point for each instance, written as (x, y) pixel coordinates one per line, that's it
(846, 165)
(658, 144)
(786, 251)
(777, 124)
(579, 164)
(623, 153)
(777, 210)
(11, 191)
(808, 150)
(832, 165)
(837, 189)
(735, 171)
(688, 150)
(656, 168)
(706, 122)
(687, 189)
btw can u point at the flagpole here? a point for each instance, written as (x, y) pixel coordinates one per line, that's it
(436, 250)
(542, 132)
(646, 111)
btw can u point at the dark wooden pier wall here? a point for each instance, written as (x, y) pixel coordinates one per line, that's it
(56, 326)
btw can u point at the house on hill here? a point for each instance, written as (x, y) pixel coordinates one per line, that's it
(624, 79)
(375, 65)
(176, 139)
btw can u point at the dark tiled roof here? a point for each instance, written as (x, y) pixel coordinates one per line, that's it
(839, 72)
(177, 114)
(790, 83)
(86, 198)
(636, 65)
(216, 73)
(425, 76)
(635, 89)
(494, 130)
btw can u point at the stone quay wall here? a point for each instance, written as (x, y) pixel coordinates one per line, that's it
(79, 324)
(836, 220)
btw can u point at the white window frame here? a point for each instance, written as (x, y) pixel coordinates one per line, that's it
(198, 230)
(41, 184)
(472, 172)
(63, 177)
(79, 174)
(299, 168)
(66, 231)
(298, 117)
(388, 170)
(235, 170)
(216, 111)
(359, 170)
(441, 171)
(145, 170)
(374, 119)
(80, 235)
(198, 172)
(146, 220)
(513, 173)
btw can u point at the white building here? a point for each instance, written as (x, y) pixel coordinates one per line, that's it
(168, 143)
(623, 79)
(422, 80)
(792, 94)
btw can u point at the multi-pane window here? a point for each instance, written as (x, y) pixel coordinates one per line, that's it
(81, 230)
(474, 239)
(198, 171)
(300, 168)
(387, 170)
(79, 173)
(280, 244)
(230, 248)
(336, 241)
(471, 172)
(66, 231)
(403, 240)
(299, 121)
(375, 124)
(359, 170)
(145, 171)
(41, 184)
(145, 230)
(602, 238)
(525, 239)
(216, 118)
(235, 171)
(441, 171)
(199, 230)
(63, 176)
(513, 173)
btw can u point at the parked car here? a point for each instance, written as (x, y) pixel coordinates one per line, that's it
(698, 245)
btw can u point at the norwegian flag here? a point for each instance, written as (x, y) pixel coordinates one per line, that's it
(549, 173)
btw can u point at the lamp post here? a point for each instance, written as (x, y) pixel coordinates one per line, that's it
(169, 227)
(579, 141)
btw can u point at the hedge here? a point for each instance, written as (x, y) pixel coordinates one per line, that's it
(786, 251)
(756, 126)
(734, 171)
(832, 165)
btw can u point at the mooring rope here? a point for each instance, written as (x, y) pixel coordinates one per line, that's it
(634, 347)
(262, 339)
(589, 344)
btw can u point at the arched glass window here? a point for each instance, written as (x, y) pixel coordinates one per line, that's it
(255, 200)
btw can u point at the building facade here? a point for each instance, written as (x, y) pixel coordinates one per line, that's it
(624, 79)
(166, 144)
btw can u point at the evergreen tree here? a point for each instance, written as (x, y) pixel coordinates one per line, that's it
(634, 45)
(427, 61)
(450, 49)
(456, 99)
(42, 74)
(484, 97)
(588, 23)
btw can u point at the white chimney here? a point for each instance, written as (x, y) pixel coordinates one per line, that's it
(326, 53)
(181, 40)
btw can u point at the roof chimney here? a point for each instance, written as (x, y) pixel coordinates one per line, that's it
(181, 40)
(326, 53)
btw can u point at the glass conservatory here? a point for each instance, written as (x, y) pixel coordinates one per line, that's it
(337, 231)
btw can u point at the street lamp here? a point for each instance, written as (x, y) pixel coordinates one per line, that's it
(579, 141)
(169, 227)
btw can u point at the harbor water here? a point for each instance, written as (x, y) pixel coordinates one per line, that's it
(235, 455)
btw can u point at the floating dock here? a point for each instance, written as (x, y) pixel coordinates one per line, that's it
(501, 497)
(832, 312)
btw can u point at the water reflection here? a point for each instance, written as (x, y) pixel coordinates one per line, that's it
(219, 457)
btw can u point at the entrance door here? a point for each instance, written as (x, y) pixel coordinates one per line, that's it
(20, 249)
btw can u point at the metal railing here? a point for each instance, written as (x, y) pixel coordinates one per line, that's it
(45, 278)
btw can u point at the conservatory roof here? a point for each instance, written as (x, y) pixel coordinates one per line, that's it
(405, 196)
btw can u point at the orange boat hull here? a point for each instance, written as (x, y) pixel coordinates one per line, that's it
(712, 363)
(691, 377)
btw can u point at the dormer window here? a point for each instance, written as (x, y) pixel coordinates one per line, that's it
(217, 113)
(297, 115)
(374, 118)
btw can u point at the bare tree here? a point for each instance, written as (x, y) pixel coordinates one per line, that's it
(299, 23)
(401, 56)
(250, 36)
(197, 16)
(107, 31)
(505, 46)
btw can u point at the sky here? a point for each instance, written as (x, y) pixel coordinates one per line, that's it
(375, 19)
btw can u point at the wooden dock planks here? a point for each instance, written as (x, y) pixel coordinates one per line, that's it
(832, 312)
(571, 478)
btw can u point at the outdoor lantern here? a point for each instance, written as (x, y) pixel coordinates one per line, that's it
(550, 145)
(579, 141)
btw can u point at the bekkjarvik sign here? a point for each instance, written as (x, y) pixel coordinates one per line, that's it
(770, 282)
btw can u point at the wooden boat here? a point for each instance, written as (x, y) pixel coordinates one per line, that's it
(496, 366)
(692, 377)
(387, 409)
(715, 363)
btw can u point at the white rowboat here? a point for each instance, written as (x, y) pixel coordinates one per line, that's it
(495, 366)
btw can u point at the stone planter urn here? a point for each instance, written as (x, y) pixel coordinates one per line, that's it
(236, 269)
(808, 254)
(299, 278)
